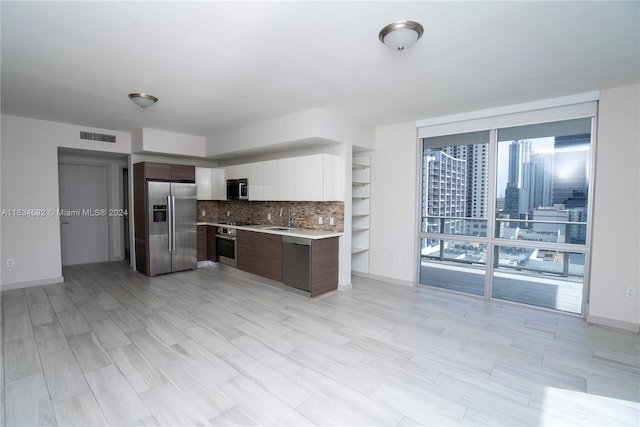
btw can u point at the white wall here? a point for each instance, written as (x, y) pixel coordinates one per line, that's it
(615, 257)
(29, 179)
(148, 140)
(315, 126)
(393, 203)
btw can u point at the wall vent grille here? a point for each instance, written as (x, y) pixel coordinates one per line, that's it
(101, 137)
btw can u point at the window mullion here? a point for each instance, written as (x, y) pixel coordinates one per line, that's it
(492, 171)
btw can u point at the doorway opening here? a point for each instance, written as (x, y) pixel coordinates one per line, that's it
(93, 206)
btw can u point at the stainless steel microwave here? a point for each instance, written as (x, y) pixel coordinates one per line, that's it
(237, 189)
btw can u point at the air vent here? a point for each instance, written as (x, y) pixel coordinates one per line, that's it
(101, 137)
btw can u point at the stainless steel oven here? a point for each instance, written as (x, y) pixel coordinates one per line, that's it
(226, 246)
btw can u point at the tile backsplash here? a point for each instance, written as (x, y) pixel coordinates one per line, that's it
(304, 214)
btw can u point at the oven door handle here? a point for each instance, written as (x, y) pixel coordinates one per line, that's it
(219, 236)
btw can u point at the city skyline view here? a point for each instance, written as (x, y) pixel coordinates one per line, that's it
(543, 178)
(540, 198)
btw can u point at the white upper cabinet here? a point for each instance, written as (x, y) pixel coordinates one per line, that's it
(333, 182)
(218, 184)
(203, 183)
(317, 177)
(270, 182)
(255, 175)
(286, 179)
(308, 177)
(210, 184)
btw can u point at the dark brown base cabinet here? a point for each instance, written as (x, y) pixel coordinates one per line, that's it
(202, 242)
(324, 265)
(207, 243)
(261, 254)
(212, 250)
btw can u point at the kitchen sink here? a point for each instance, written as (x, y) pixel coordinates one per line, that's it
(277, 228)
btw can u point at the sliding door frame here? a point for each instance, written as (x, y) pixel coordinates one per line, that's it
(492, 242)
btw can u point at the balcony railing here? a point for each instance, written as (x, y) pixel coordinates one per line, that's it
(451, 229)
(572, 232)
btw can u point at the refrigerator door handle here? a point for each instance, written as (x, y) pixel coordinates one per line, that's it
(170, 223)
(173, 223)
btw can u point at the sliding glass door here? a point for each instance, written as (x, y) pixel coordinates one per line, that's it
(454, 212)
(505, 213)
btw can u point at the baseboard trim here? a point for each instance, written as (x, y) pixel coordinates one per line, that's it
(613, 323)
(32, 283)
(345, 286)
(205, 263)
(383, 278)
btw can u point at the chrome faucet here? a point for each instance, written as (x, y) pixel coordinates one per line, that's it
(290, 221)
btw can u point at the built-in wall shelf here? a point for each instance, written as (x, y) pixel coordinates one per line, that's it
(360, 199)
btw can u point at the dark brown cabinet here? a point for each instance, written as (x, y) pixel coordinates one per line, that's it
(212, 250)
(183, 173)
(324, 265)
(168, 171)
(202, 243)
(260, 253)
(207, 243)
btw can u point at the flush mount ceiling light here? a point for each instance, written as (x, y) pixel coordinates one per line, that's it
(144, 100)
(401, 35)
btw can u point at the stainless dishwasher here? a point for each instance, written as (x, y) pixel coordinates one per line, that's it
(296, 262)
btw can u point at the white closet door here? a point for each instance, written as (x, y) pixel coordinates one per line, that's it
(84, 235)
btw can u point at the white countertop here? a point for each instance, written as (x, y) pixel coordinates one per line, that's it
(305, 233)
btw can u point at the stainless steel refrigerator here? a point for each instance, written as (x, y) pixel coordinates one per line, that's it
(172, 226)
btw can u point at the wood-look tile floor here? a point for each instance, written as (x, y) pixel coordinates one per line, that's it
(208, 347)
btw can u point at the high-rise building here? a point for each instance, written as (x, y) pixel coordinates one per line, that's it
(570, 170)
(541, 187)
(577, 232)
(477, 164)
(445, 188)
(553, 222)
(518, 191)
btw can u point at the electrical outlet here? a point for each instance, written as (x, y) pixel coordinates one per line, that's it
(631, 292)
(228, 213)
(332, 221)
(10, 262)
(204, 213)
(320, 220)
(268, 217)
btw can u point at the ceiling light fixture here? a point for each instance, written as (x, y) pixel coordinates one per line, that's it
(401, 35)
(143, 100)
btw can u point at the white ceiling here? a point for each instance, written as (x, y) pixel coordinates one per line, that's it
(216, 66)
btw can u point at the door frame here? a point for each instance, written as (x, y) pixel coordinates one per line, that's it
(112, 163)
(125, 232)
